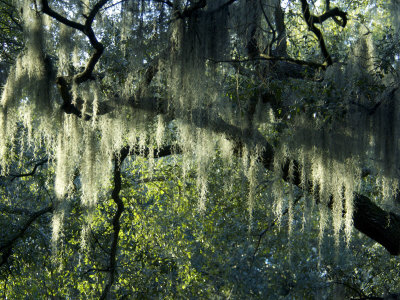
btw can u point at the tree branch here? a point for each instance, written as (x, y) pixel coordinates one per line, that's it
(47, 10)
(311, 20)
(369, 218)
(14, 210)
(40, 163)
(167, 2)
(262, 56)
(188, 11)
(379, 225)
(334, 12)
(99, 48)
(293, 61)
(6, 248)
(271, 225)
(273, 40)
(64, 88)
(310, 23)
(87, 30)
(226, 4)
(118, 160)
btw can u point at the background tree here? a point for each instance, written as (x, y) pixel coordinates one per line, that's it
(123, 120)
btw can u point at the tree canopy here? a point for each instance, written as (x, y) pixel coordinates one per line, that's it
(199, 149)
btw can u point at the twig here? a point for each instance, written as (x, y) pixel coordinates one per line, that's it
(95, 270)
(272, 224)
(40, 163)
(114, 4)
(359, 292)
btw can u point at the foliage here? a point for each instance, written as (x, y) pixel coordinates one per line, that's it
(209, 149)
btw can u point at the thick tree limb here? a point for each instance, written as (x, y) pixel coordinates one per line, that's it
(64, 83)
(14, 210)
(162, 152)
(310, 23)
(293, 61)
(188, 11)
(226, 4)
(334, 12)
(337, 21)
(279, 16)
(64, 88)
(369, 218)
(167, 2)
(375, 225)
(379, 225)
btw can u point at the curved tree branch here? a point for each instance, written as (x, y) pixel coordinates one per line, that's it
(311, 20)
(293, 61)
(55, 15)
(64, 87)
(99, 48)
(85, 29)
(6, 248)
(310, 23)
(379, 225)
(118, 160)
(337, 21)
(332, 13)
(226, 4)
(38, 164)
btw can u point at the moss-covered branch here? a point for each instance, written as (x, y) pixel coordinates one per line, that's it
(368, 218)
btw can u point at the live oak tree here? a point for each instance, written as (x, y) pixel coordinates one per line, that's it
(301, 96)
